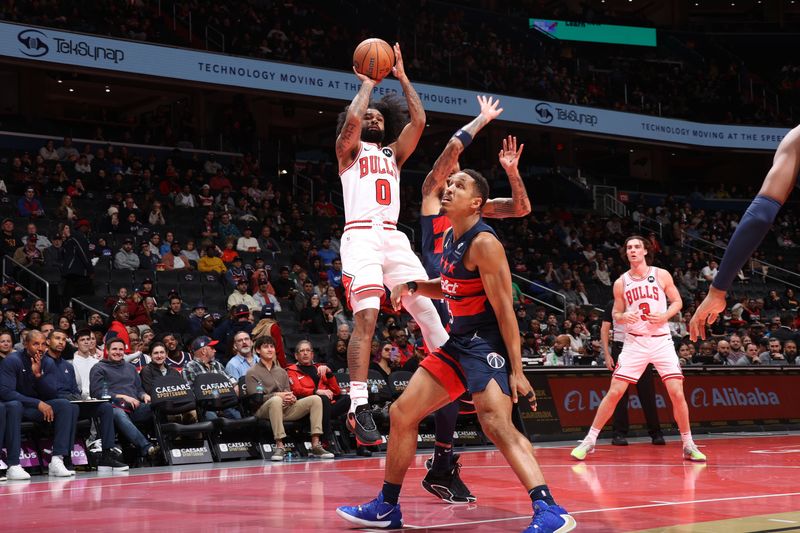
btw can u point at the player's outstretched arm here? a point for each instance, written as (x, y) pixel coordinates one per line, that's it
(489, 256)
(447, 162)
(754, 226)
(518, 205)
(407, 140)
(350, 136)
(428, 288)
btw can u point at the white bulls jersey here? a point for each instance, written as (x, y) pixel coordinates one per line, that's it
(644, 296)
(371, 185)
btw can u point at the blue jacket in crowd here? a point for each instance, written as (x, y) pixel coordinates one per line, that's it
(17, 381)
(58, 378)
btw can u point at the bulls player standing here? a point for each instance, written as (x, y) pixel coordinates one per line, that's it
(640, 302)
(373, 141)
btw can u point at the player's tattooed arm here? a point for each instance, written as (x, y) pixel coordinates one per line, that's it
(349, 137)
(407, 140)
(518, 205)
(447, 162)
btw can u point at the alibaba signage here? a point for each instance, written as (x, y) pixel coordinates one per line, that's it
(710, 398)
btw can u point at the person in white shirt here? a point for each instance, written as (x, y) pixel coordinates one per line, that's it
(264, 297)
(248, 243)
(240, 296)
(49, 152)
(709, 272)
(85, 358)
(185, 198)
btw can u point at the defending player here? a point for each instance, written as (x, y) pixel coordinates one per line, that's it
(443, 479)
(484, 343)
(373, 141)
(754, 226)
(640, 302)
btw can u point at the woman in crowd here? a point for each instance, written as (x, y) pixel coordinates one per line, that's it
(65, 210)
(386, 361)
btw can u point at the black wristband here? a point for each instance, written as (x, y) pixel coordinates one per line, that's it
(464, 137)
(412, 286)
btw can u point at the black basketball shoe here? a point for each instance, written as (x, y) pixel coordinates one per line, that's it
(362, 425)
(447, 485)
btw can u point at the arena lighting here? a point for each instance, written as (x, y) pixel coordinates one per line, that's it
(71, 90)
(319, 112)
(283, 172)
(59, 81)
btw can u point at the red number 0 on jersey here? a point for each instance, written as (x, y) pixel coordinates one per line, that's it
(645, 309)
(383, 191)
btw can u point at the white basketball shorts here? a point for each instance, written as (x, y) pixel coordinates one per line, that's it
(638, 351)
(373, 258)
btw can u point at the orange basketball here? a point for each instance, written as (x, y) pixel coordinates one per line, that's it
(374, 58)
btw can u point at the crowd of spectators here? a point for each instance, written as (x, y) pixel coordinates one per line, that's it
(127, 232)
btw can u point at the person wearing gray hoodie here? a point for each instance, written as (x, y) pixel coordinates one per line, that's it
(117, 380)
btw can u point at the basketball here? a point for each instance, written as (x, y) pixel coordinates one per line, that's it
(374, 58)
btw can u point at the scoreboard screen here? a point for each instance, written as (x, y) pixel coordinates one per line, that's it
(594, 33)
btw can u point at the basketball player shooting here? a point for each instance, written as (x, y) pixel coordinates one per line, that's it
(754, 226)
(482, 355)
(443, 479)
(640, 302)
(373, 141)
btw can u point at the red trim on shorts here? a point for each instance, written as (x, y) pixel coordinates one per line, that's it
(369, 227)
(445, 375)
(624, 378)
(365, 288)
(360, 148)
(369, 221)
(672, 376)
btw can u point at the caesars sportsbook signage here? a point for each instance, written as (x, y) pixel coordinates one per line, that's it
(88, 51)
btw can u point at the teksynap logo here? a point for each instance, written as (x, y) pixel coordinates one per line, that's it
(544, 113)
(37, 44)
(33, 43)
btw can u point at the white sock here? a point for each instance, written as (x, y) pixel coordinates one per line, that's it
(359, 395)
(686, 439)
(592, 436)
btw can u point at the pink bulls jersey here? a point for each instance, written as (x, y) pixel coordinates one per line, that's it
(371, 185)
(644, 296)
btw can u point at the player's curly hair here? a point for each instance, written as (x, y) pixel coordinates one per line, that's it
(395, 116)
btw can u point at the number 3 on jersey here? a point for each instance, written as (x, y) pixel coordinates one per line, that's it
(645, 309)
(383, 191)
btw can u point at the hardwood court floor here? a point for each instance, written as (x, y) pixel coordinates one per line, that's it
(751, 483)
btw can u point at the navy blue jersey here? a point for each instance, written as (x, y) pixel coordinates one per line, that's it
(469, 307)
(433, 228)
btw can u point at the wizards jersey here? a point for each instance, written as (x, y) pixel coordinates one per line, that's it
(470, 310)
(433, 228)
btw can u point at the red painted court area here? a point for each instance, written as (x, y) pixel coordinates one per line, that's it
(617, 489)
